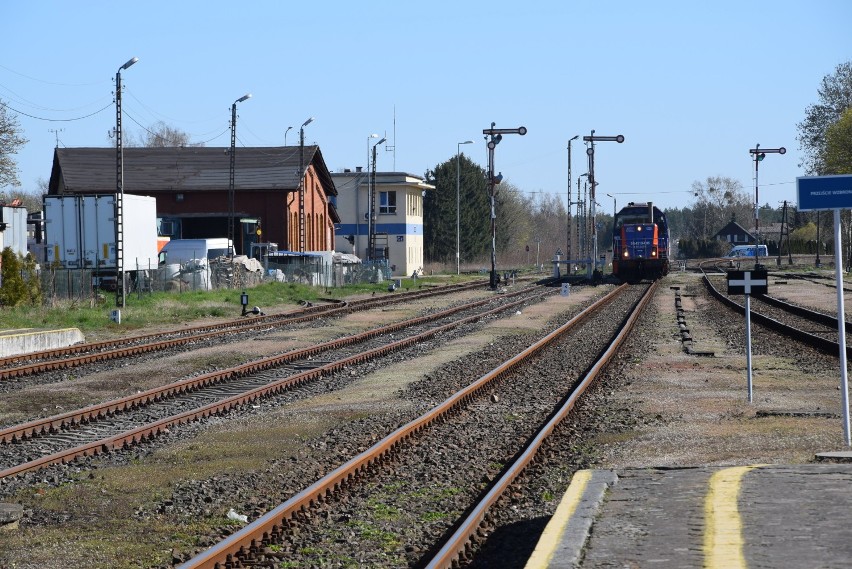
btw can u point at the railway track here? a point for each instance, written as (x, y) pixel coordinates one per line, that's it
(130, 420)
(83, 354)
(436, 480)
(808, 326)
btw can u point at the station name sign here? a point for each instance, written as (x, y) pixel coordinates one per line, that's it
(824, 192)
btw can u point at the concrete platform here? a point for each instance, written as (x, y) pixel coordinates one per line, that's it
(17, 342)
(758, 516)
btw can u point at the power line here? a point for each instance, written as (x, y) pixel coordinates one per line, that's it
(54, 120)
(51, 82)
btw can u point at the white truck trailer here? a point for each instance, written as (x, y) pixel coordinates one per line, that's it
(80, 232)
(13, 229)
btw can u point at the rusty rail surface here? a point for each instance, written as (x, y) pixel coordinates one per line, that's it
(114, 349)
(822, 344)
(460, 543)
(145, 432)
(245, 544)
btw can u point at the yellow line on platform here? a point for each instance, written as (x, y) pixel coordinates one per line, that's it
(723, 538)
(546, 547)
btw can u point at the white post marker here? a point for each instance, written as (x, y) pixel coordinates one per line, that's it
(748, 282)
(841, 326)
(817, 193)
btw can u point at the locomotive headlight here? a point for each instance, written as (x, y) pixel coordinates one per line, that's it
(626, 254)
(638, 228)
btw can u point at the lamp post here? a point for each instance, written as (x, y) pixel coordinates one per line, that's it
(759, 154)
(568, 252)
(458, 205)
(231, 235)
(371, 220)
(120, 293)
(302, 235)
(496, 135)
(591, 153)
(614, 207)
(289, 128)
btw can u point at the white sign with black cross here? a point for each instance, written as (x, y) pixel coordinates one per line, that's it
(748, 283)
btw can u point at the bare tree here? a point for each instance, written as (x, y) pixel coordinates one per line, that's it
(10, 140)
(718, 201)
(161, 135)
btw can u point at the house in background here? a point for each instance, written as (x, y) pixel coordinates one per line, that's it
(398, 213)
(735, 234)
(191, 186)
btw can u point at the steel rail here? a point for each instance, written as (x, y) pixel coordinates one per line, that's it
(92, 413)
(189, 335)
(248, 541)
(460, 542)
(812, 340)
(151, 430)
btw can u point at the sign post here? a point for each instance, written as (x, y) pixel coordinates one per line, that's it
(818, 193)
(748, 283)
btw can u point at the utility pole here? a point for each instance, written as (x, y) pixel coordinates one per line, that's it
(591, 153)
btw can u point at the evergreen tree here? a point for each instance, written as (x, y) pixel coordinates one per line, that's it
(439, 212)
(12, 289)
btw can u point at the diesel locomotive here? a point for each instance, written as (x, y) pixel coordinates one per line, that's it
(640, 243)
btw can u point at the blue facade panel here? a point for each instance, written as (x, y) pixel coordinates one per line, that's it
(345, 229)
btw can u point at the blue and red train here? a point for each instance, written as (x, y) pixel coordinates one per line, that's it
(640, 243)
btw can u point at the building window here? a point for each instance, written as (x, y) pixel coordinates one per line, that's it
(387, 202)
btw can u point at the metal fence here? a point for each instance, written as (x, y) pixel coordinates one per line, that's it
(224, 273)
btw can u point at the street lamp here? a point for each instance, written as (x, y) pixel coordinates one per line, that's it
(458, 205)
(496, 135)
(289, 128)
(759, 154)
(231, 236)
(302, 184)
(568, 252)
(614, 207)
(371, 221)
(120, 293)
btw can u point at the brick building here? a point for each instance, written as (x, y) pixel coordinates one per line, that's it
(191, 186)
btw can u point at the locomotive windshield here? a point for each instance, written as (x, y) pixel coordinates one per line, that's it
(638, 214)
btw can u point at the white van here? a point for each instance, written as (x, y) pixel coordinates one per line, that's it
(748, 251)
(181, 251)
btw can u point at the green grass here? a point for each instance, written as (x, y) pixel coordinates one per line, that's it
(171, 308)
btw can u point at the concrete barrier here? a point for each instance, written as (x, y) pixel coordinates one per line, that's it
(17, 342)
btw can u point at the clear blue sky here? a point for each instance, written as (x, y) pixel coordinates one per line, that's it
(691, 85)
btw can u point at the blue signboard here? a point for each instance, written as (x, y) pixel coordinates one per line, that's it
(824, 192)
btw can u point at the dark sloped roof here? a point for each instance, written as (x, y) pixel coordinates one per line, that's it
(149, 170)
(732, 228)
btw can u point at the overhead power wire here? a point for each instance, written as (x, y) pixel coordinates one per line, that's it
(55, 120)
(51, 82)
(140, 125)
